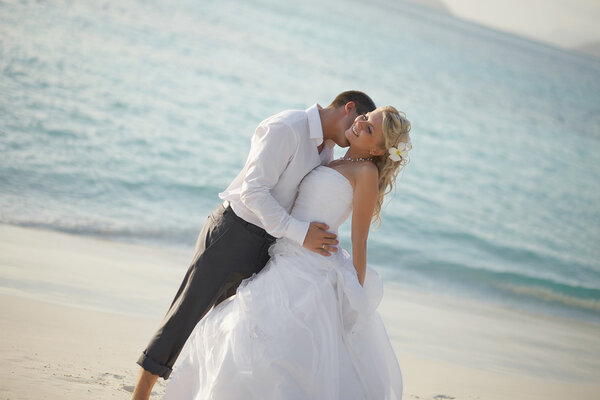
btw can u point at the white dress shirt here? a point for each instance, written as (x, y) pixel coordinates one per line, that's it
(283, 150)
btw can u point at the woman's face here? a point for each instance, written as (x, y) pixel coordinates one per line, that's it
(366, 132)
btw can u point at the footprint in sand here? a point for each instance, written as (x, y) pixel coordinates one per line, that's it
(109, 375)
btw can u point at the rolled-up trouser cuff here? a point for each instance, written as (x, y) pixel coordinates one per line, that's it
(154, 367)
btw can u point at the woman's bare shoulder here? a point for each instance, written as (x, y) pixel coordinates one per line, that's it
(365, 172)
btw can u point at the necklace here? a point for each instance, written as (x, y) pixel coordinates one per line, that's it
(355, 159)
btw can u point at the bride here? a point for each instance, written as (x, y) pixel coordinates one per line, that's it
(306, 327)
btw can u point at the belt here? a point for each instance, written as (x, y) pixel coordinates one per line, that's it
(249, 226)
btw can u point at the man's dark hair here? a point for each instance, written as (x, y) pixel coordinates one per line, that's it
(363, 103)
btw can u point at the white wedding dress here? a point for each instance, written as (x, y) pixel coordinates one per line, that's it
(303, 328)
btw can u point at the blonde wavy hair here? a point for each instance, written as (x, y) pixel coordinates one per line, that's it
(396, 129)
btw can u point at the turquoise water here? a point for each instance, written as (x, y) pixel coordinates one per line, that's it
(124, 120)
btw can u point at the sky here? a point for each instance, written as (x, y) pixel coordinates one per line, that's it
(566, 23)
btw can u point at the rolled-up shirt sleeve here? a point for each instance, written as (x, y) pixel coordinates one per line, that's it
(273, 146)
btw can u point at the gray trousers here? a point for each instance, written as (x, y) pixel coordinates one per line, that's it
(228, 250)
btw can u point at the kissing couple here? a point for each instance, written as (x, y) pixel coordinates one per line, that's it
(303, 322)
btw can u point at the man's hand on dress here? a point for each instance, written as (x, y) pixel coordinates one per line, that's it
(319, 240)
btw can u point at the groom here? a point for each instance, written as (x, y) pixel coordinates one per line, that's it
(235, 239)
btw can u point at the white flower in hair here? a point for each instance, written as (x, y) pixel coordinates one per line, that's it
(400, 152)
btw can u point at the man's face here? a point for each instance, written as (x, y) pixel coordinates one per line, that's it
(344, 124)
(350, 119)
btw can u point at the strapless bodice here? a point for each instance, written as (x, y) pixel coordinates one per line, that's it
(324, 195)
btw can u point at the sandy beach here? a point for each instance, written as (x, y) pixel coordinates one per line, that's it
(76, 312)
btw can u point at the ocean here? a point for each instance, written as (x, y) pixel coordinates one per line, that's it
(124, 120)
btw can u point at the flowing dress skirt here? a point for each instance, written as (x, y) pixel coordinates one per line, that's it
(304, 328)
